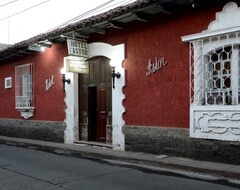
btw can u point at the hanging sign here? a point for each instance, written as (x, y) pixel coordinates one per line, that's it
(155, 66)
(76, 65)
(77, 48)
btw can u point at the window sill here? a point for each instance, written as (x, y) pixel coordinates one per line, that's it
(24, 108)
(26, 112)
(216, 107)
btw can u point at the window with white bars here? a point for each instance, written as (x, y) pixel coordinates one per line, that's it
(215, 65)
(24, 86)
(215, 77)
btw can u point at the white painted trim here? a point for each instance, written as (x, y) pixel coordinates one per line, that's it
(205, 34)
(71, 133)
(8, 82)
(26, 113)
(215, 122)
(227, 21)
(115, 54)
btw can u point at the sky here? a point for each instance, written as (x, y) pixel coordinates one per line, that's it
(23, 19)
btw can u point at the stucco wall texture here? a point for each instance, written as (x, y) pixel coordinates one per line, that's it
(49, 105)
(161, 99)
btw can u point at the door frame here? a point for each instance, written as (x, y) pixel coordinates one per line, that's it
(116, 54)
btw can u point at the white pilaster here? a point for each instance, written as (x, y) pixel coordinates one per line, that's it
(71, 100)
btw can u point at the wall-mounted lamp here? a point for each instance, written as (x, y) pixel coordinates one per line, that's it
(40, 46)
(114, 74)
(64, 80)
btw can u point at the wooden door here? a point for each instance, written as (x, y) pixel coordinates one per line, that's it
(95, 100)
(97, 114)
(101, 114)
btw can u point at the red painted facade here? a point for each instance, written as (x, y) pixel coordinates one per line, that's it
(49, 105)
(161, 99)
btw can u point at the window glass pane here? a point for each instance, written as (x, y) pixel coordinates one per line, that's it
(219, 77)
(24, 86)
(215, 70)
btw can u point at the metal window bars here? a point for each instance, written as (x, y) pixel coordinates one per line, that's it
(215, 70)
(24, 86)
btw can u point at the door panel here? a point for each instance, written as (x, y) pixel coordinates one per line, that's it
(101, 114)
(95, 93)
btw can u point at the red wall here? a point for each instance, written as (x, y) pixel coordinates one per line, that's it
(49, 105)
(163, 98)
(159, 100)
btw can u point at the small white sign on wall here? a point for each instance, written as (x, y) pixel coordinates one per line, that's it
(76, 65)
(8, 82)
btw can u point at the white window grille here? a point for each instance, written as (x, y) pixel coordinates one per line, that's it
(215, 70)
(215, 77)
(24, 86)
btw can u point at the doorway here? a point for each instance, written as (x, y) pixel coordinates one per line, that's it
(97, 114)
(92, 113)
(95, 101)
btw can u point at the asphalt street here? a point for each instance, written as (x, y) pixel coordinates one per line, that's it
(23, 169)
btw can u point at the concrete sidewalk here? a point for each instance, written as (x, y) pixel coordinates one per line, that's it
(168, 162)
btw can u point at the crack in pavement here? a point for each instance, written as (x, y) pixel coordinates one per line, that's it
(96, 176)
(32, 177)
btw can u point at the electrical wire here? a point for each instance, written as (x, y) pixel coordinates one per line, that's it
(105, 6)
(3, 5)
(27, 9)
(100, 8)
(85, 14)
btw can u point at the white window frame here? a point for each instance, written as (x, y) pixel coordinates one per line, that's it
(220, 122)
(24, 97)
(8, 82)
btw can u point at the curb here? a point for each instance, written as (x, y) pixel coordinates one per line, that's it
(219, 170)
